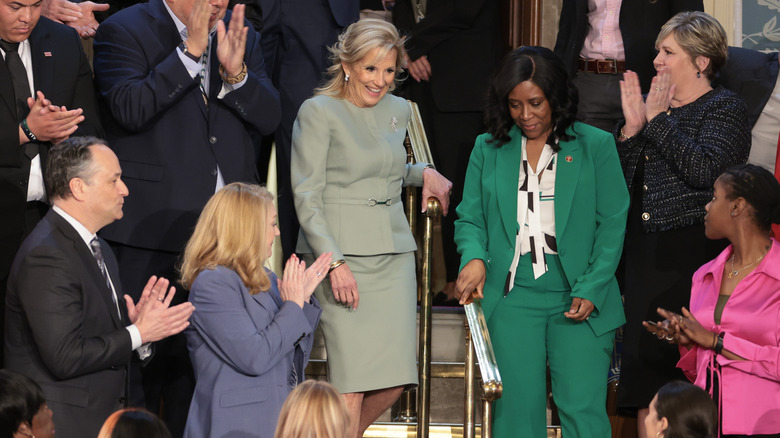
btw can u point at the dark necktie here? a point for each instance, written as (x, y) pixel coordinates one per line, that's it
(94, 244)
(18, 77)
(21, 88)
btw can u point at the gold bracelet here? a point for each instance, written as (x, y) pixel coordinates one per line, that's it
(336, 264)
(233, 80)
(623, 134)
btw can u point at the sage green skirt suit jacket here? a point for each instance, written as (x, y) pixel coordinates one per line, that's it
(348, 170)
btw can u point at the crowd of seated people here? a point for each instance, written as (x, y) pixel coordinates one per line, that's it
(133, 270)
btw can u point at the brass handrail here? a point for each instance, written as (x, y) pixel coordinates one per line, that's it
(426, 323)
(478, 341)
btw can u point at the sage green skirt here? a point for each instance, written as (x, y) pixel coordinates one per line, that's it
(373, 347)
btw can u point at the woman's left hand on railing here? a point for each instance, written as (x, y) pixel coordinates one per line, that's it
(437, 186)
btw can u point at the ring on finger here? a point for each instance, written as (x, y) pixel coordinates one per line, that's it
(160, 299)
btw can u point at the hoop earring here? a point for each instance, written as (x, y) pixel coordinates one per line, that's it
(346, 77)
(698, 74)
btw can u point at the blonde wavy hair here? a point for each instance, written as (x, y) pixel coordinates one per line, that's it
(353, 46)
(231, 232)
(313, 410)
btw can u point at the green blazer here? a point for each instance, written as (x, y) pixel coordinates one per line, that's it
(343, 157)
(591, 205)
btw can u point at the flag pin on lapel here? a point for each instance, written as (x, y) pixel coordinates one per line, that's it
(568, 158)
(47, 54)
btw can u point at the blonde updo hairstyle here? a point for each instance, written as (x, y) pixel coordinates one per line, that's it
(353, 46)
(313, 410)
(231, 232)
(699, 35)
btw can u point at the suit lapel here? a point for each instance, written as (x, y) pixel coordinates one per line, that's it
(87, 260)
(508, 159)
(43, 55)
(566, 177)
(7, 90)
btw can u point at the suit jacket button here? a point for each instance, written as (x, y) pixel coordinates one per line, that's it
(645, 216)
(214, 172)
(122, 400)
(213, 140)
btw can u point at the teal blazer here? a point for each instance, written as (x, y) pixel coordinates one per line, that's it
(342, 158)
(591, 205)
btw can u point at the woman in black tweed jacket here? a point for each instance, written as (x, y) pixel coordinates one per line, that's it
(672, 146)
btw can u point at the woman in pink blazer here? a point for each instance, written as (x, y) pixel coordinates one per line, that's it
(730, 338)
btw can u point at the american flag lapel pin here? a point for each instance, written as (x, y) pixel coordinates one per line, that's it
(47, 54)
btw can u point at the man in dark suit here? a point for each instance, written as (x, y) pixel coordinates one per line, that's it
(69, 328)
(184, 92)
(48, 62)
(453, 49)
(597, 80)
(296, 37)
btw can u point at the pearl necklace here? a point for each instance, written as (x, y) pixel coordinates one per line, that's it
(735, 272)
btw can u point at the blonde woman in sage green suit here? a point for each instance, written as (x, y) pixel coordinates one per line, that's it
(540, 232)
(348, 169)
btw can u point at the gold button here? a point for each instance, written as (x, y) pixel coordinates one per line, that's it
(647, 158)
(645, 216)
(644, 187)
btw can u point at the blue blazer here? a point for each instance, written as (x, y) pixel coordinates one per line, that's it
(591, 204)
(248, 353)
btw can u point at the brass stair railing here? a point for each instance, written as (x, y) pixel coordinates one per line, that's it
(477, 336)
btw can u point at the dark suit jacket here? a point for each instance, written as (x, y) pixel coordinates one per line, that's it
(640, 22)
(63, 330)
(752, 75)
(248, 352)
(169, 143)
(462, 42)
(62, 73)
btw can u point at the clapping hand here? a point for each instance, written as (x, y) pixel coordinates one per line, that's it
(153, 316)
(298, 282)
(231, 43)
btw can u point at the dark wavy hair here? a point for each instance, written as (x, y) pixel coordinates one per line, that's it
(690, 411)
(20, 399)
(759, 188)
(542, 67)
(70, 159)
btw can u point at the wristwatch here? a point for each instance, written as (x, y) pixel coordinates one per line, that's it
(187, 53)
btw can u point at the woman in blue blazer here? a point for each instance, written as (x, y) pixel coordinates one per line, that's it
(251, 333)
(540, 232)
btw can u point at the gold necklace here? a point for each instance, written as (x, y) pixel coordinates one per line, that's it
(735, 272)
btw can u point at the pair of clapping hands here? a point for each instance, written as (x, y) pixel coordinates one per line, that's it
(685, 330)
(298, 282)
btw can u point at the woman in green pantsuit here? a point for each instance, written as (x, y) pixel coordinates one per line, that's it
(540, 232)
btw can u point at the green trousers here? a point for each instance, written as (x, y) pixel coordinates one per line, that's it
(528, 330)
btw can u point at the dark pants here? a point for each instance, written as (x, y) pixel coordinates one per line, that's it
(599, 103)
(168, 380)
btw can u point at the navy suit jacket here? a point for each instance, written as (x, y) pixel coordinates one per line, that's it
(752, 75)
(62, 328)
(168, 141)
(244, 349)
(61, 72)
(640, 22)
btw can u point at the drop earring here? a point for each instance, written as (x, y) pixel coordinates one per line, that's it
(346, 77)
(698, 74)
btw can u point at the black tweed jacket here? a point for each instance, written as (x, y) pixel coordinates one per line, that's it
(683, 152)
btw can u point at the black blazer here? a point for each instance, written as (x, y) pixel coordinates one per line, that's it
(640, 22)
(752, 75)
(462, 41)
(62, 328)
(168, 141)
(61, 72)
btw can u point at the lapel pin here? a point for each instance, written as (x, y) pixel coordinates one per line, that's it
(47, 54)
(568, 159)
(393, 123)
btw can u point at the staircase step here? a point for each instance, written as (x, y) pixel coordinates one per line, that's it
(409, 430)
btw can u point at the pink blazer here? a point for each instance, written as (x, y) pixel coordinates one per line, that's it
(750, 389)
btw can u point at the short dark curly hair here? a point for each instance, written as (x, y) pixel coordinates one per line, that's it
(542, 67)
(20, 399)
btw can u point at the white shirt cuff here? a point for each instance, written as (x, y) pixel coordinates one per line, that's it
(227, 88)
(135, 336)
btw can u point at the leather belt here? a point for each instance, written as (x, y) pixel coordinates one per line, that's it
(601, 66)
